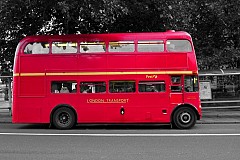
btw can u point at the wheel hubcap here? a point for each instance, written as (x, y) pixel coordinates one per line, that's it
(64, 118)
(185, 117)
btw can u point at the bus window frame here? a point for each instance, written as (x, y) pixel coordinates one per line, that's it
(92, 41)
(62, 53)
(154, 82)
(93, 83)
(157, 41)
(58, 91)
(167, 50)
(133, 92)
(122, 52)
(24, 45)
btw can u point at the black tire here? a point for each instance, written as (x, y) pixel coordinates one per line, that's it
(184, 118)
(63, 118)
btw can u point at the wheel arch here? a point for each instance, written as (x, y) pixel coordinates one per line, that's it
(185, 105)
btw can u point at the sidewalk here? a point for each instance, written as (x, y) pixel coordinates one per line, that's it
(210, 116)
(5, 115)
(219, 116)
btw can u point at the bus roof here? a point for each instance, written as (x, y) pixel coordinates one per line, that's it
(171, 34)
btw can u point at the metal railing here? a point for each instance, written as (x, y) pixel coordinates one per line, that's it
(225, 89)
(6, 93)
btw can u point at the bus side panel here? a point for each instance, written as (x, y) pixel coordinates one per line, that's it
(32, 86)
(90, 108)
(149, 62)
(121, 61)
(60, 63)
(33, 63)
(27, 110)
(30, 99)
(92, 61)
(177, 60)
(87, 112)
(147, 108)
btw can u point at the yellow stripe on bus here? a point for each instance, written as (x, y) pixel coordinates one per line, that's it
(15, 74)
(32, 74)
(103, 73)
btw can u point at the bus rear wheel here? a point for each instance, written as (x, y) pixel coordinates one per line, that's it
(63, 118)
(184, 118)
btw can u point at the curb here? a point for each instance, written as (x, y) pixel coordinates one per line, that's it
(220, 122)
(198, 122)
(202, 121)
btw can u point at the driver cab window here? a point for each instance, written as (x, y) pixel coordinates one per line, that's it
(191, 83)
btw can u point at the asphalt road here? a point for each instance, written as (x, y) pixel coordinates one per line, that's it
(204, 141)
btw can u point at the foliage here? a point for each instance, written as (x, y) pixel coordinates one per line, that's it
(213, 25)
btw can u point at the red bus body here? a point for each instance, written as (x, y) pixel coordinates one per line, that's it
(36, 74)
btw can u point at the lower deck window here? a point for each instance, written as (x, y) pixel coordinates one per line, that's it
(122, 86)
(92, 87)
(63, 86)
(154, 86)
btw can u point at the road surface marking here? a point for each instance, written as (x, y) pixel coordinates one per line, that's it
(120, 135)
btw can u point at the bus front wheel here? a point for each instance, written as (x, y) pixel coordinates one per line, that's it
(184, 118)
(63, 118)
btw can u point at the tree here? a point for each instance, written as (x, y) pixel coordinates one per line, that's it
(21, 18)
(213, 25)
(18, 19)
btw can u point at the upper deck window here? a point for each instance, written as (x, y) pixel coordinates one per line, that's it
(64, 47)
(92, 47)
(150, 46)
(37, 48)
(179, 46)
(121, 46)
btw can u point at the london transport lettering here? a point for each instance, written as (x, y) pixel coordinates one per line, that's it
(108, 100)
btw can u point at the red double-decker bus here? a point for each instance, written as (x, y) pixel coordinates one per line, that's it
(127, 78)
